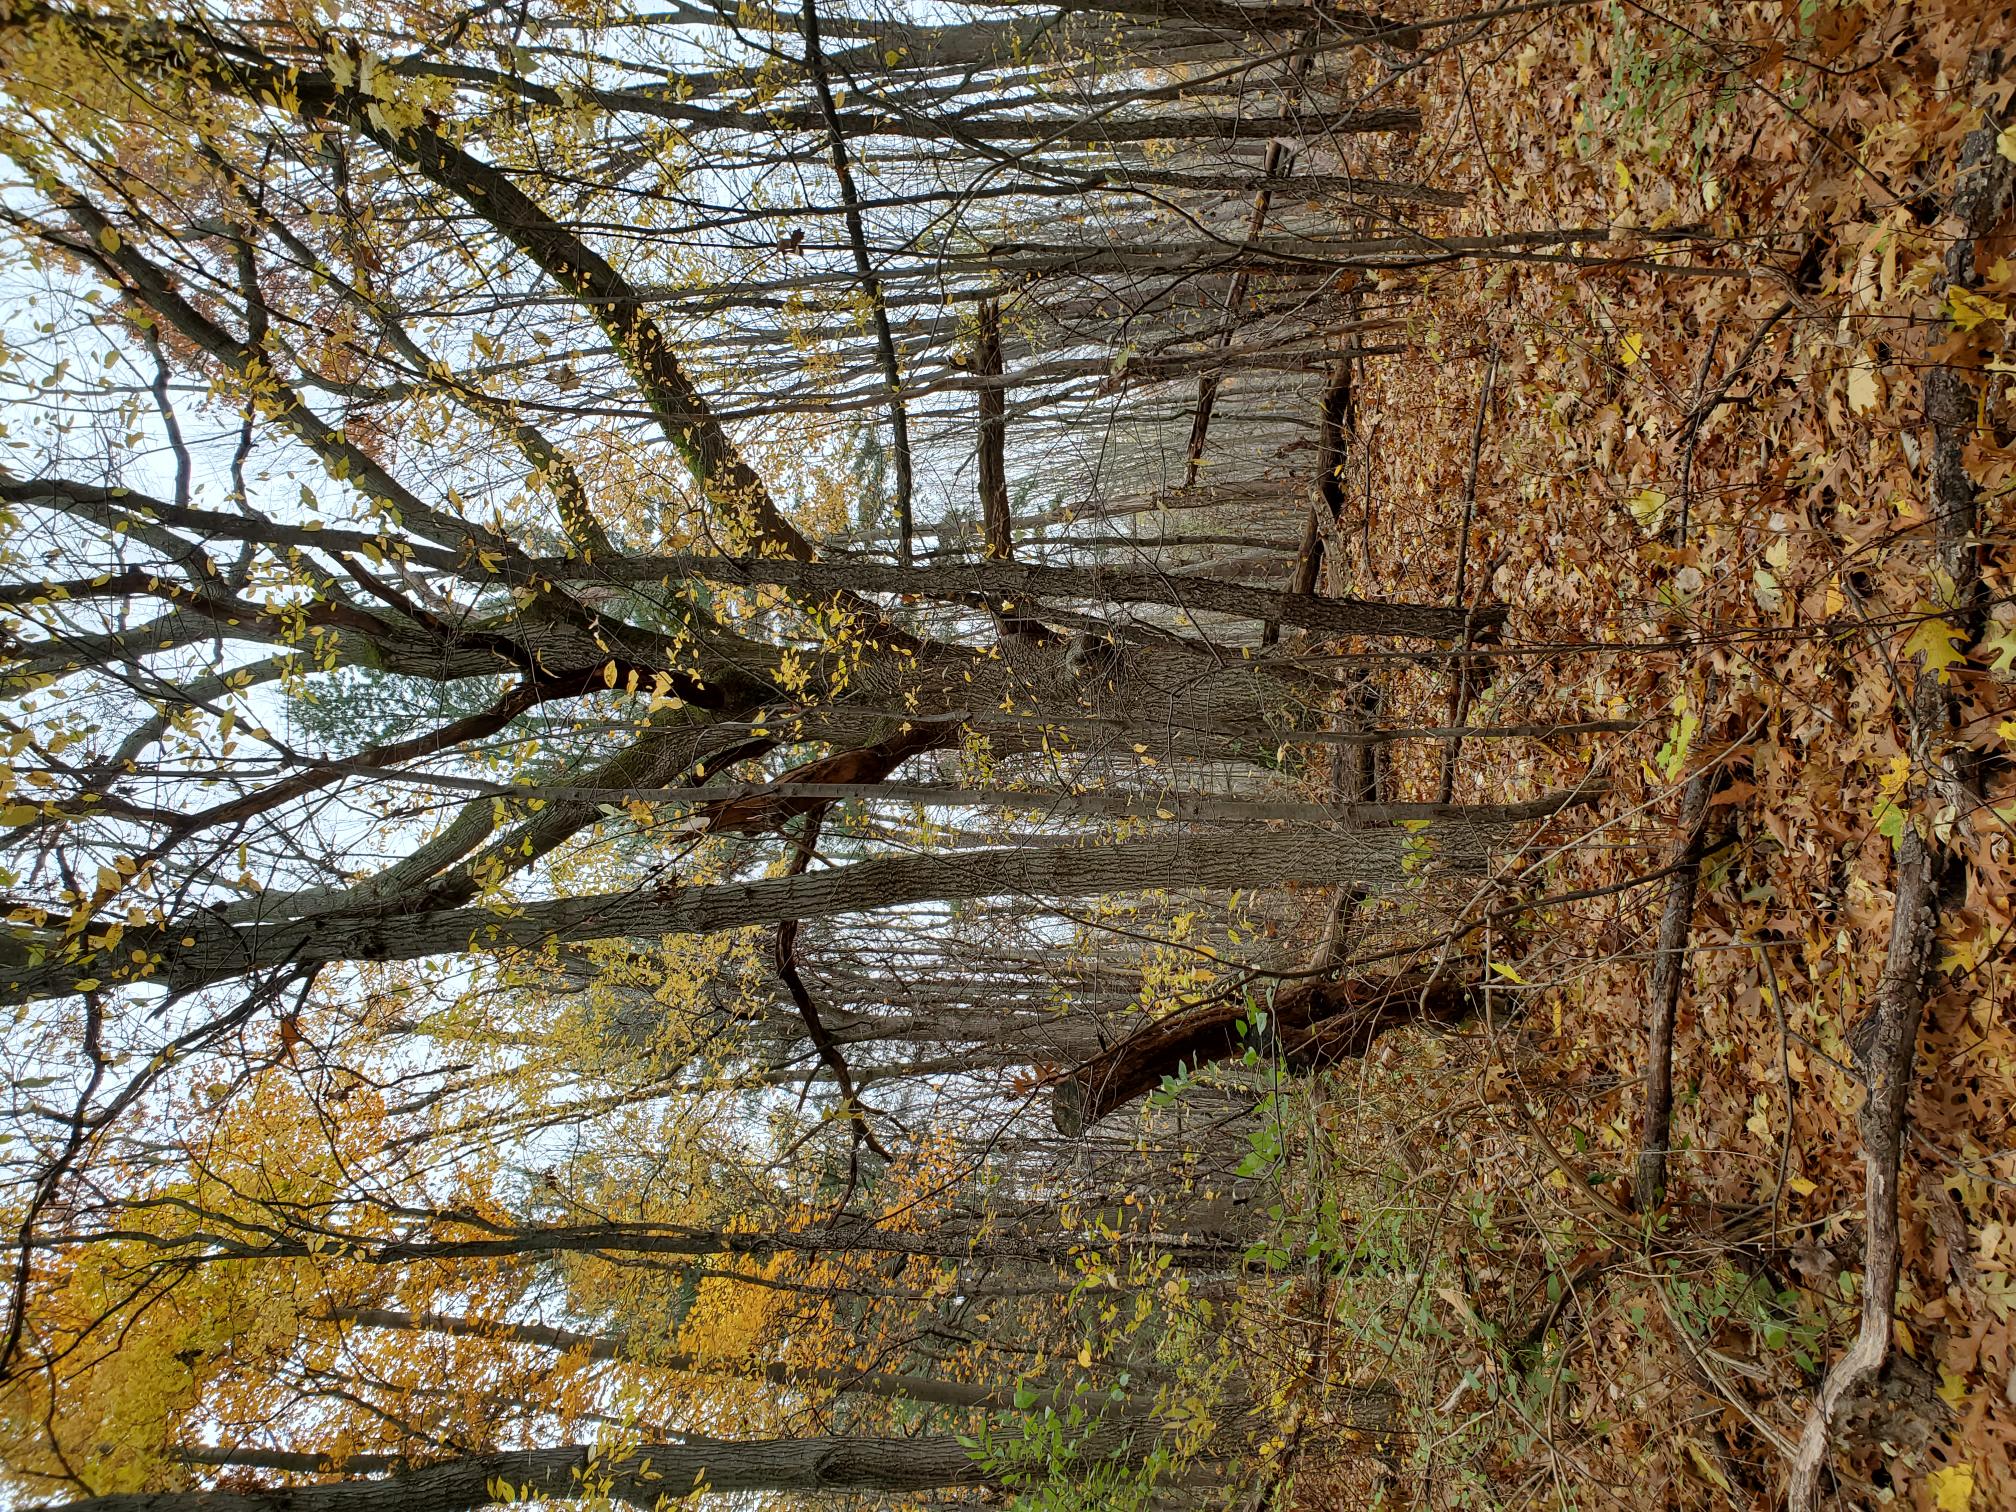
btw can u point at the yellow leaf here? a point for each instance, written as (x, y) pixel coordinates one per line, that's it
(1998, 646)
(1960, 955)
(1952, 1488)
(1800, 1185)
(17, 814)
(1967, 309)
(1952, 1388)
(1934, 640)
(1085, 1355)
(1631, 348)
(1647, 506)
(1508, 973)
(609, 675)
(1705, 1467)
(109, 239)
(2006, 143)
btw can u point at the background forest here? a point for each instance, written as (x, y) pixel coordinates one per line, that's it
(1157, 754)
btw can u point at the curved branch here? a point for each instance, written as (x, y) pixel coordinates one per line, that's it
(1312, 1024)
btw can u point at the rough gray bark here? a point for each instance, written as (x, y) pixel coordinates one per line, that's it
(1189, 808)
(981, 581)
(1052, 1245)
(201, 949)
(655, 1474)
(1326, 487)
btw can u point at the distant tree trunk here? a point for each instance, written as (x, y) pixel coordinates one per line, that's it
(1326, 501)
(993, 434)
(1228, 16)
(885, 345)
(1312, 1024)
(913, 1388)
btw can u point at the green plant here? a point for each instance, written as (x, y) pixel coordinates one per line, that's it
(1073, 1459)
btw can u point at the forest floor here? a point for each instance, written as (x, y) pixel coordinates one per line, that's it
(1717, 484)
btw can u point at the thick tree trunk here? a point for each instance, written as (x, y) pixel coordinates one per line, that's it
(655, 1475)
(1052, 1245)
(1022, 581)
(200, 948)
(757, 807)
(1312, 1024)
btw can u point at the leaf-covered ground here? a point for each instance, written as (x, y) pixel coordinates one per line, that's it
(1708, 488)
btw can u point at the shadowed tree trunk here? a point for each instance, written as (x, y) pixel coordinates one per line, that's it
(1045, 1243)
(623, 1347)
(655, 1475)
(1312, 1024)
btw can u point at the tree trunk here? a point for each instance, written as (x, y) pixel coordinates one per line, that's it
(993, 434)
(857, 238)
(200, 949)
(913, 1388)
(674, 1243)
(1326, 501)
(1022, 581)
(653, 1476)
(1312, 1024)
